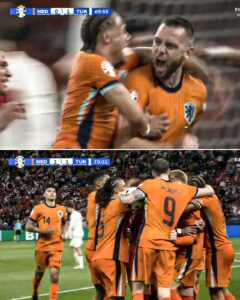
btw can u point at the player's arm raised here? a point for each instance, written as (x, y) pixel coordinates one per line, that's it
(205, 192)
(136, 195)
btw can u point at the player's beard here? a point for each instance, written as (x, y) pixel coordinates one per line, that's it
(170, 69)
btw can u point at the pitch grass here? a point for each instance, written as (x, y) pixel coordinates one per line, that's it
(17, 268)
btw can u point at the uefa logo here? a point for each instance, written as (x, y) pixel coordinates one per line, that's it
(19, 162)
(21, 11)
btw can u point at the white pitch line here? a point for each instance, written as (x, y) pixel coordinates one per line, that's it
(82, 289)
(235, 266)
(236, 260)
(238, 253)
(61, 292)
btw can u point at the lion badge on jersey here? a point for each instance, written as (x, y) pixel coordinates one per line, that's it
(108, 68)
(60, 214)
(189, 112)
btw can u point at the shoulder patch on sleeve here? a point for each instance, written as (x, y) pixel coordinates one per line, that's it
(134, 95)
(108, 68)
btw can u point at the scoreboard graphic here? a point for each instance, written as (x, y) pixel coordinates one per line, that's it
(21, 162)
(22, 11)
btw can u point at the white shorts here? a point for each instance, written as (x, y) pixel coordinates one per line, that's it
(76, 242)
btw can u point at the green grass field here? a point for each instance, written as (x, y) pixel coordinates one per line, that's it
(17, 269)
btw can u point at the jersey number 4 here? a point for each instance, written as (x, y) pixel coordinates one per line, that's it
(169, 210)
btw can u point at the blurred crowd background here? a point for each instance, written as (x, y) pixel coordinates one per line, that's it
(21, 189)
(35, 45)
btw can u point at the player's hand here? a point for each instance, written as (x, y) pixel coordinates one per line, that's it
(46, 232)
(158, 125)
(200, 224)
(190, 141)
(189, 230)
(173, 235)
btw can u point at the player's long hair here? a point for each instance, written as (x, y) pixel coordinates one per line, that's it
(91, 27)
(197, 181)
(104, 195)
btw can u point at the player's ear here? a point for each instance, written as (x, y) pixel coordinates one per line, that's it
(189, 52)
(106, 37)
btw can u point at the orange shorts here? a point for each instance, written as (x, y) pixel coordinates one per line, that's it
(111, 275)
(89, 255)
(149, 263)
(47, 259)
(185, 270)
(218, 266)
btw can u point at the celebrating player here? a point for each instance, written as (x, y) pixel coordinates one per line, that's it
(51, 226)
(95, 93)
(219, 249)
(112, 253)
(165, 203)
(75, 233)
(190, 254)
(163, 87)
(97, 180)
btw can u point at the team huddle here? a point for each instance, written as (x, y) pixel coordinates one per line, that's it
(159, 235)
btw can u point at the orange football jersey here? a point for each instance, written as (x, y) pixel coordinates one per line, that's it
(163, 208)
(182, 104)
(194, 251)
(49, 217)
(91, 218)
(215, 222)
(111, 240)
(88, 120)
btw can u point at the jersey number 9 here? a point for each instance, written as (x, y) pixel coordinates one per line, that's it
(169, 210)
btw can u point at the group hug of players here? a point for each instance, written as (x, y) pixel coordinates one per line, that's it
(164, 246)
(162, 234)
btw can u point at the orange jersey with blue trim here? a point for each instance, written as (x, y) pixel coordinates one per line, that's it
(91, 217)
(88, 120)
(49, 217)
(215, 223)
(164, 206)
(182, 104)
(111, 240)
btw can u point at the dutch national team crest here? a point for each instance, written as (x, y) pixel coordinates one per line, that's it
(60, 214)
(189, 112)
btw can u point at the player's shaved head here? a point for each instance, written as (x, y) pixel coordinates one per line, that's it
(178, 175)
(197, 181)
(97, 179)
(160, 166)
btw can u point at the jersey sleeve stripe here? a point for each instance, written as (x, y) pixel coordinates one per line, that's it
(86, 104)
(107, 87)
